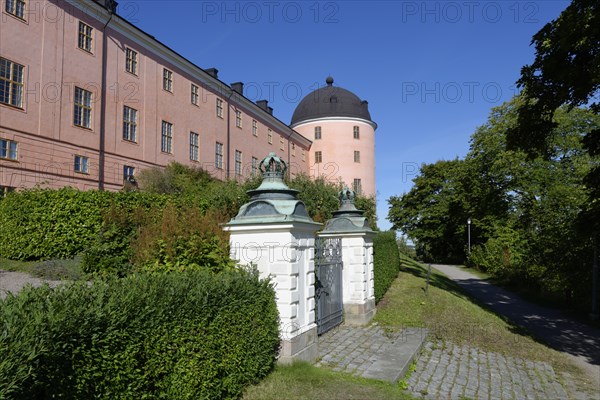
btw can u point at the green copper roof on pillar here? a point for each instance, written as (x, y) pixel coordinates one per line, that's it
(273, 200)
(347, 218)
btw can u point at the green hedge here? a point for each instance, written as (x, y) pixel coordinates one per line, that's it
(386, 262)
(43, 223)
(188, 335)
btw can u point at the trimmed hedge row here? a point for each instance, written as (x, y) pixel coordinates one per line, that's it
(187, 335)
(43, 223)
(386, 262)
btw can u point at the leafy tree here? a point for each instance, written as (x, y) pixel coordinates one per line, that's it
(433, 212)
(524, 209)
(566, 71)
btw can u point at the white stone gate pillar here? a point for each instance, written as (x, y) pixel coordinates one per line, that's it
(352, 227)
(274, 232)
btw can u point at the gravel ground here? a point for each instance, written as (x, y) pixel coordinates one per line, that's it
(15, 281)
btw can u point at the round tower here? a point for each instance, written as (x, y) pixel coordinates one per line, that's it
(339, 124)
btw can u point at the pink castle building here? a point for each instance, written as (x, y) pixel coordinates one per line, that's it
(88, 100)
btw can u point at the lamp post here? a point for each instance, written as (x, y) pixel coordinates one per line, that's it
(469, 235)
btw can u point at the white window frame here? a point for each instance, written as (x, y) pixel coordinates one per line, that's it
(356, 132)
(357, 186)
(238, 119)
(167, 80)
(16, 8)
(238, 162)
(130, 124)
(82, 108)
(219, 155)
(81, 164)
(85, 37)
(128, 172)
(9, 150)
(219, 106)
(195, 96)
(13, 80)
(166, 137)
(131, 61)
(194, 146)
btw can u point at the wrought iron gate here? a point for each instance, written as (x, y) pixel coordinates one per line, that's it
(328, 283)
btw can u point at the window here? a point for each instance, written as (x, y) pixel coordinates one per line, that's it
(166, 143)
(238, 162)
(219, 108)
(5, 190)
(254, 165)
(281, 143)
(11, 83)
(81, 164)
(128, 173)
(167, 80)
(318, 157)
(238, 118)
(317, 132)
(356, 132)
(357, 156)
(82, 113)
(8, 149)
(219, 155)
(254, 128)
(303, 155)
(16, 8)
(194, 94)
(270, 136)
(131, 57)
(194, 146)
(357, 186)
(85, 37)
(293, 149)
(129, 124)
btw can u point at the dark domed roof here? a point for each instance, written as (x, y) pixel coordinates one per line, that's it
(331, 101)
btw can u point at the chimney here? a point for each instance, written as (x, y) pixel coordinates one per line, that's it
(213, 72)
(238, 87)
(271, 110)
(110, 5)
(263, 104)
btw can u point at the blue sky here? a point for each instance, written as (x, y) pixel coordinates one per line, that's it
(431, 70)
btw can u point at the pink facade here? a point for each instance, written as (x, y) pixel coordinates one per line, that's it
(345, 151)
(46, 45)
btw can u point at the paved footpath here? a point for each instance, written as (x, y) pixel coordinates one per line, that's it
(447, 371)
(579, 341)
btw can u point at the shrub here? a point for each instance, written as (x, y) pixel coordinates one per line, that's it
(501, 256)
(386, 262)
(184, 335)
(43, 224)
(182, 239)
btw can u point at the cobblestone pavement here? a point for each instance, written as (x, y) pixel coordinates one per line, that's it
(447, 371)
(354, 349)
(458, 372)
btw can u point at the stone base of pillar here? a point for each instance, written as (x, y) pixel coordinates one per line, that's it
(359, 314)
(304, 347)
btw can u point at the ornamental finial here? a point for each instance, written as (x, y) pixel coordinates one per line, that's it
(272, 166)
(346, 196)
